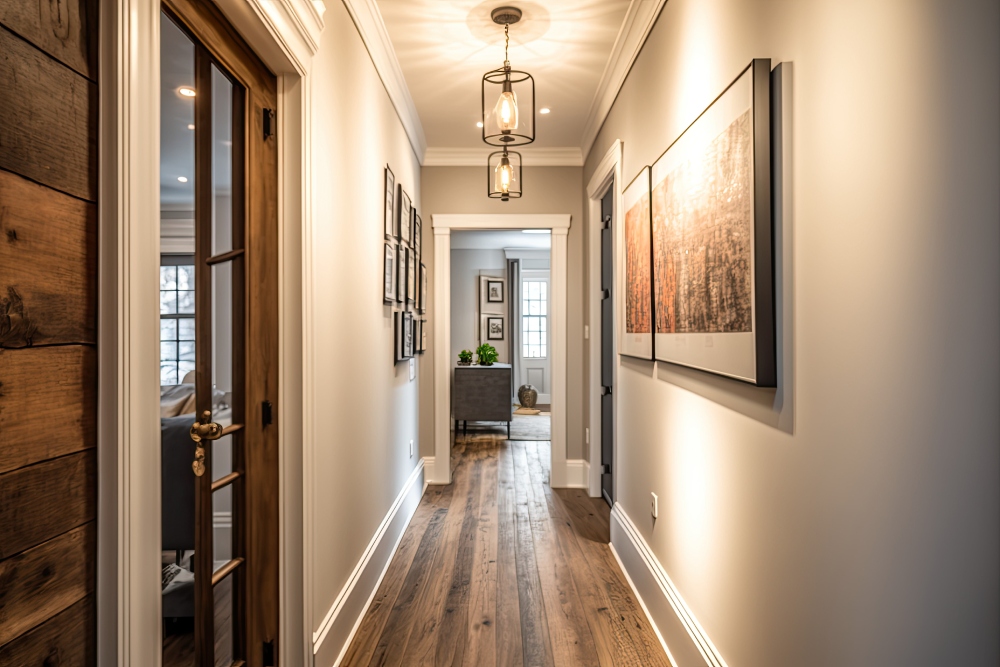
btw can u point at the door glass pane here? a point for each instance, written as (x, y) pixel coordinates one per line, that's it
(222, 409)
(222, 163)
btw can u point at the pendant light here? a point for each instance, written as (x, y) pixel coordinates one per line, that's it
(510, 119)
(503, 175)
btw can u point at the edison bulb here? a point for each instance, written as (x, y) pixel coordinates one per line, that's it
(504, 176)
(505, 110)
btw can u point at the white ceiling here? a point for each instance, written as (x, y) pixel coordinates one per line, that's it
(444, 48)
(499, 240)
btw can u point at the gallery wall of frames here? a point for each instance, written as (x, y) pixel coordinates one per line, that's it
(695, 250)
(404, 286)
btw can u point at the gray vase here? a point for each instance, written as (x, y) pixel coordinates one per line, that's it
(527, 396)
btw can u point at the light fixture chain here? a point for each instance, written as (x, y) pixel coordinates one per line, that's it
(506, 45)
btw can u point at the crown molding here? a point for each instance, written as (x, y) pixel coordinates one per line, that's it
(476, 157)
(639, 20)
(368, 21)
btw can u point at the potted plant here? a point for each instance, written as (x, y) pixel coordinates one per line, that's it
(464, 358)
(486, 354)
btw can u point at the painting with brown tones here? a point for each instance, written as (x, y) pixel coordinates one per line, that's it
(634, 273)
(702, 230)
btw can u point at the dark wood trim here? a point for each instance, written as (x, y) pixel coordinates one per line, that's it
(223, 482)
(224, 257)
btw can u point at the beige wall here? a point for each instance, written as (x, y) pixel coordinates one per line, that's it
(851, 517)
(546, 190)
(364, 409)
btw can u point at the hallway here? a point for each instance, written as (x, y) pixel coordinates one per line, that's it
(496, 568)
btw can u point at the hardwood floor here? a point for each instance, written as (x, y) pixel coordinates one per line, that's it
(499, 569)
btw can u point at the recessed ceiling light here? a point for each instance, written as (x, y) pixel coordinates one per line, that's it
(537, 231)
(544, 110)
(185, 91)
(190, 126)
(182, 179)
(479, 124)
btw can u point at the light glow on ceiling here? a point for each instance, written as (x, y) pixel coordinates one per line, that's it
(544, 110)
(190, 126)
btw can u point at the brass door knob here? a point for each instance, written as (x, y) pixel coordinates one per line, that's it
(206, 429)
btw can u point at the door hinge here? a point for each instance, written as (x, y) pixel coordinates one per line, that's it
(269, 653)
(605, 294)
(605, 390)
(266, 413)
(270, 124)
(607, 222)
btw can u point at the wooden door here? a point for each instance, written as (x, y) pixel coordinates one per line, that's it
(48, 317)
(235, 460)
(607, 349)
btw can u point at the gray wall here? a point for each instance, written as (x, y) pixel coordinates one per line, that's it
(466, 267)
(546, 190)
(851, 517)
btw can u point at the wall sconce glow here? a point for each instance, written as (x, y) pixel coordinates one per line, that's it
(182, 179)
(185, 91)
(545, 110)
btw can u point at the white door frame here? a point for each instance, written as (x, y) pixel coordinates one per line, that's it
(610, 167)
(285, 35)
(546, 275)
(443, 224)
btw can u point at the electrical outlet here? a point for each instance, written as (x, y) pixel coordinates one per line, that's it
(411, 449)
(655, 505)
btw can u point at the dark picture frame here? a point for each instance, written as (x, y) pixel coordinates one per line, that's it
(411, 276)
(494, 328)
(405, 211)
(418, 225)
(389, 274)
(400, 273)
(422, 291)
(403, 335)
(389, 222)
(494, 291)
(721, 236)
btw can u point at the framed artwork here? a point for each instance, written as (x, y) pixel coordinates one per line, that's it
(494, 328)
(405, 211)
(422, 297)
(634, 279)
(411, 276)
(423, 336)
(417, 227)
(400, 272)
(389, 221)
(494, 291)
(403, 326)
(712, 237)
(485, 305)
(389, 281)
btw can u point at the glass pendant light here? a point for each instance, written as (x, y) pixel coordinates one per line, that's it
(503, 175)
(504, 124)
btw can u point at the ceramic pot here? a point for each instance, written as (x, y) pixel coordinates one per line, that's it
(527, 396)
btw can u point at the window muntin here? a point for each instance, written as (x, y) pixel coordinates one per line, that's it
(534, 319)
(176, 319)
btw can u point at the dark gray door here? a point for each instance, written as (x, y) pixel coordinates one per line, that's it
(607, 349)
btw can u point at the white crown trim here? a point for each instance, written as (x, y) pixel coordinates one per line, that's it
(569, 156)
(639, 20)
(368, 21)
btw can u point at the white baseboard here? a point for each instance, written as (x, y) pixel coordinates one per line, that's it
(335, 633)
(577, 474)
(430, 476)
(683, 638)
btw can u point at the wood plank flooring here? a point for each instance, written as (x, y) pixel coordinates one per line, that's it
(500, 569)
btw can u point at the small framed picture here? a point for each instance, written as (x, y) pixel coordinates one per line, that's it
(400, 273)
(390, 191)
(403, 344)
(494, 328)
(422, 339)
(417, 226)
(408, 335)
(422, 292)
(485, 304)
(405, 211)
(389, 285)
(411, 276)
(494, 291)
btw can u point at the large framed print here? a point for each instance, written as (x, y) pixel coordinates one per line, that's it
(712, 237)
(405, 211)
(422, 296)
(389, 222)
(389, 278)
(634, 250)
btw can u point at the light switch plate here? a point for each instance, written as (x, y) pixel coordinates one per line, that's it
(655, 505)
(413, 368)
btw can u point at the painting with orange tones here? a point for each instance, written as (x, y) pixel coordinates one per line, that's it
(635, 259)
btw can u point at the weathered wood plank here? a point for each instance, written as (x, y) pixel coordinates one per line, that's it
(48, 404)
(68, 639)
(42, 501)
(48, 128)
(64, 29)
(482, 625)
(48, 248)
(509, 643)
(43, 581)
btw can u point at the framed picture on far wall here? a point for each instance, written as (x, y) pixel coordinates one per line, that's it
(405, 211)
(494, 291)
(411, 276)
(713, 237)
(390, 190)
(389, 281)
(417, 227)
(403, 335)
(485, 305)
(633, 290)
(422, 291)
(400, 273)
(494, 328)
(422, 345)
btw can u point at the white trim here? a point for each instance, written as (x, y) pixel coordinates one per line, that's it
(570, 156)
(348, 610)
(368, 20)
(577, 474)
(639, 20)
(443, 224)
(670, 616)
(526, 253)
(610, 167)
(428, 470)
(284, 33)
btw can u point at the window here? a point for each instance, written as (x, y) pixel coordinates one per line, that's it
(176, 318)
(534, 318)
